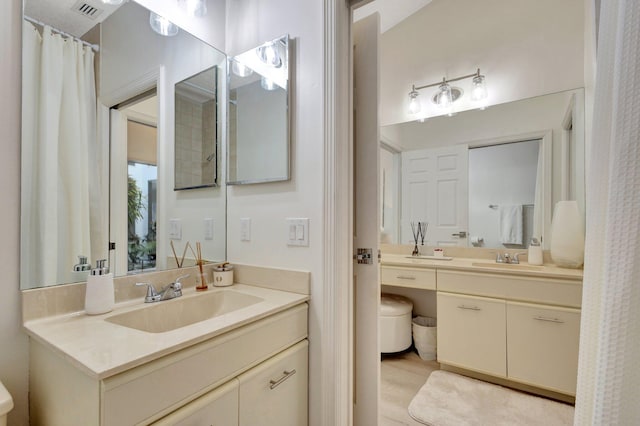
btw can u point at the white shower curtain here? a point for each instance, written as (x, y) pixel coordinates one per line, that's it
(58, 132)
(609, 366)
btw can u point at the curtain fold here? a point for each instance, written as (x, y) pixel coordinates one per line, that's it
(59, 111)
(609, 364)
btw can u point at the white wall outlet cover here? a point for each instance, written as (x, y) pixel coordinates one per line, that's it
(298, 232)
(245, 229)
(175, 229)
(208, 228)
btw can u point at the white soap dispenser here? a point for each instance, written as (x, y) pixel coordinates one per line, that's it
(535, 253)
(99, 297)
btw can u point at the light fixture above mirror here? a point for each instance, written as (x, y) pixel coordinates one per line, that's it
(447, 95)
(162, 25)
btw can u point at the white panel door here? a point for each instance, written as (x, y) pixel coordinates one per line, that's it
(366, 221)
(435, 190)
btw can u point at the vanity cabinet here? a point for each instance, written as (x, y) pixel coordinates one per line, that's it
(471, 333)
(524, 329)
(420, 278)
(275, 392)
(272, 393)
(542, 345)
(62, 393)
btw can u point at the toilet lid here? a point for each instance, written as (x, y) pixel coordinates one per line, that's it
(393, 305)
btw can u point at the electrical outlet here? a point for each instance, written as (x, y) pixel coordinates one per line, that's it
(175, 229)
(245, 229)
(208, 228)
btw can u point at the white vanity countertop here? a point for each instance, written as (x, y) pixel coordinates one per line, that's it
(102, 349)
(482, 265)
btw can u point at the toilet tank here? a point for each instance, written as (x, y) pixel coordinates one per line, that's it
(6, 404)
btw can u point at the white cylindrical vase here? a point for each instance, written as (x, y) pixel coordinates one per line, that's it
(567, 235)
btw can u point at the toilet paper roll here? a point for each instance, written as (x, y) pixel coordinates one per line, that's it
(475, 240)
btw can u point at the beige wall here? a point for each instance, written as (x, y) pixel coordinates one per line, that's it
(14, 354)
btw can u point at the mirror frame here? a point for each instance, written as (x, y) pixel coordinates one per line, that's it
(287, 60)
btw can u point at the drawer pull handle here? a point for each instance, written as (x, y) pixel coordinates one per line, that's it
(547, 319)
(405, 277)
(275, 383)
(469, 308)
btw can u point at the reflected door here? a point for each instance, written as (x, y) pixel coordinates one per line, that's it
(435, 189)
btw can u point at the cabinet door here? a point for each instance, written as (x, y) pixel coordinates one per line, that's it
(275, 392)
(216, 408)
(542, 345)
(472, 333)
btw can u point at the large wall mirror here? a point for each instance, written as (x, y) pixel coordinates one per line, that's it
(98, 150)
(486, 168)
(258, 112)
(466, 172)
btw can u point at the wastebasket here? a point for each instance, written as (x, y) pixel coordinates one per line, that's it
(424, 337)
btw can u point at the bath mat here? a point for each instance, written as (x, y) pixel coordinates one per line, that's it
(449, 399)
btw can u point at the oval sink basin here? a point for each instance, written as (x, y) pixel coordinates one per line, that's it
(160, 317)
(512, 266)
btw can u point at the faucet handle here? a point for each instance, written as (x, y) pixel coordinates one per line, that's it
(516, 258)
(507, 258)
(152, 294)
(499, 258)
(181, 277)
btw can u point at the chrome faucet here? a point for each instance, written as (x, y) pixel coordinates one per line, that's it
(516, 259)
(170, 291)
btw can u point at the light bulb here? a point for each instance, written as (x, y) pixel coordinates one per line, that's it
(268, 84)
(162, 25)
(241, 70)
(113, 2)
(414, 103)
(197, 8)
(478, 88)
(268, 54)
(444, 98)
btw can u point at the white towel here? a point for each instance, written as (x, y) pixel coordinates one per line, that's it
(511, 224)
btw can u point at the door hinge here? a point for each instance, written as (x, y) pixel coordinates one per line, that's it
(112, 245)
(364, 256)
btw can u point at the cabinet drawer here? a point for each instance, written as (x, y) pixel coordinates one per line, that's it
(543, 346)
(544, 290)
(216, 408)
(408, 277)
(472, 333)
(167, 383)
(275, 392)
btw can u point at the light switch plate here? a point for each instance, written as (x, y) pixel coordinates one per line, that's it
(298, 232)
(175, 229)
(245, 229)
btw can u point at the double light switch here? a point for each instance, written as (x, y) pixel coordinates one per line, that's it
(298, 229)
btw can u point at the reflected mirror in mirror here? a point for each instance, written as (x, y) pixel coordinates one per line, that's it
(83, 164)
(196, 130)
(258, 132)
(479, 175)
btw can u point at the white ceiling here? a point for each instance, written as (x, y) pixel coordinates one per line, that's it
(60, 14)
(392, 12)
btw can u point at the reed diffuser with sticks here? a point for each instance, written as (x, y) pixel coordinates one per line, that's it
(203, 278)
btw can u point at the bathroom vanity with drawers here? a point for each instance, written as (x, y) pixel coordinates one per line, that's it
(246, 367)
(512, 324)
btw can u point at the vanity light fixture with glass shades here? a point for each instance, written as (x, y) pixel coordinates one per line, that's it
(447, 94)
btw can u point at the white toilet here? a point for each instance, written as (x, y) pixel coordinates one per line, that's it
(6, 404)
(395, 323)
